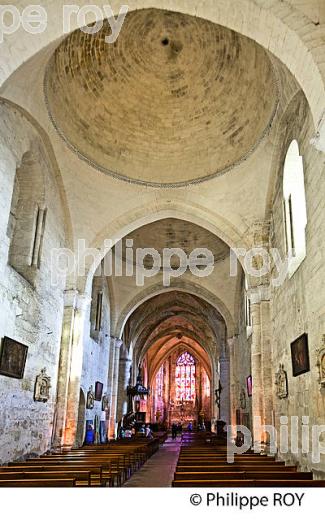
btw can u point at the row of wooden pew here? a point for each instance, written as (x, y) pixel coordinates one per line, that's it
(204, 464)
(90, 466)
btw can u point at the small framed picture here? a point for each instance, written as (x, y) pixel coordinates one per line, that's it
(12, 358)
(300, 356)
(249, 384)
(98, 391)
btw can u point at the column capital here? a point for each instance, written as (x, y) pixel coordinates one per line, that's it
(259, 233)
(116, 342)
(72, 298)
(259, 294)
(83, 300)
(318, 140)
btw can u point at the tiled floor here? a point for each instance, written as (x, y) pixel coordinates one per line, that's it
(160, 468)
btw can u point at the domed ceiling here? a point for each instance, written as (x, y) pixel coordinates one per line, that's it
(176, 99)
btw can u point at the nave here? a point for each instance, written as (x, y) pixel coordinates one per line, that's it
(162, 254)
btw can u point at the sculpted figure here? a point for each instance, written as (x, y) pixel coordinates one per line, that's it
(281, 382)
(90, 398)
(42, 387)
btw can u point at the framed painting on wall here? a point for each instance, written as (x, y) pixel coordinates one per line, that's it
(300, 356)
(98, 391)
(12, 358)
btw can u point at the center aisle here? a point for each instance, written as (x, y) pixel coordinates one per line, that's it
(159, 470)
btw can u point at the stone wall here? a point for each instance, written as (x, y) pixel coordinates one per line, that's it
(298, 304)
(30, 313)
(96, 351)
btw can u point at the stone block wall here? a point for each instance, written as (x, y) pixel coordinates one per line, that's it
(96, 351)
(298, 305)
(29, 313)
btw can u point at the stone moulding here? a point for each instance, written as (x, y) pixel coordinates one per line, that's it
(321, 363)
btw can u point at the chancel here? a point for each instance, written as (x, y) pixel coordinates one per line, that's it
(162, 223)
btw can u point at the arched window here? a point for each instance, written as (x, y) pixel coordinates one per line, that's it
(185, 378)
(99, 308)
(294, 208)
(26, 224)
(160, 382)
(248, 310)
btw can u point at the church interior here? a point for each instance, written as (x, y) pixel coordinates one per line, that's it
(162, 247)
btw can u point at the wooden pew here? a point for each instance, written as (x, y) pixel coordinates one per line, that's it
(248, 483)
(202, 465)
(38, 483)
(237, 467)
(239, 475)
(82, 478)
(99, 473)
(91, 466)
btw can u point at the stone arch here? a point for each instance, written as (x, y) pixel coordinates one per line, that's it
(280, 28)
(192, 335)
(141, 216)
(161, 315)
(190, 288)
(192, 351)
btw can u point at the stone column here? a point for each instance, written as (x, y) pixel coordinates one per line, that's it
(70, 367)
(225, 383)
(214, 407)
(261, 351)
(125, 363)
(115, 347)
(262, 398)
(232, 381)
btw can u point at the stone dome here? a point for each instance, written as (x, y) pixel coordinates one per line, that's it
(176, 99)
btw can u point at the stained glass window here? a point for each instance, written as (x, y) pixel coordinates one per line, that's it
(185, 378)
(160, 382)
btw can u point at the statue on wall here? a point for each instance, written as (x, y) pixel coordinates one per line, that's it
(105, 403)
(42, 387)
(242, 399)
(321, 363)
(90, 398)
(281, 382)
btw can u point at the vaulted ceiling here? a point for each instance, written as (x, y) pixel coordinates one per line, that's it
(175, 320)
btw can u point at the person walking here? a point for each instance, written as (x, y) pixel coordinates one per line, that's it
(174, 431)
(148, 432)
